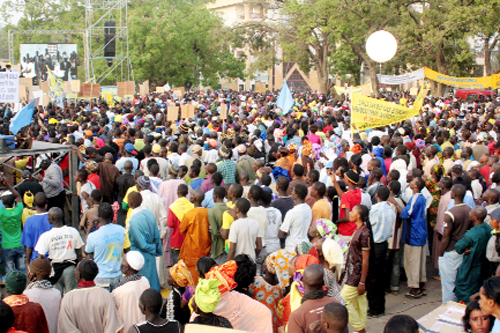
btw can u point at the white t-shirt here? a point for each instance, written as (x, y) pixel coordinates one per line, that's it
(60, 243)
(297, 222)
(88, 187)
(244, 233)
(259, 214)
(274, 221)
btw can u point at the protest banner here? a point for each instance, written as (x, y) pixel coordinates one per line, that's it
(160, 89)
(172, 113)
(370, 112)
(401, 79)
(126, 89)
(67, 87)
(495, 81)
(9, 87)
(365, 90)
(223, 111)
(482, 82)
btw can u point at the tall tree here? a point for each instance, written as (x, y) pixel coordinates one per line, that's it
(181, 42)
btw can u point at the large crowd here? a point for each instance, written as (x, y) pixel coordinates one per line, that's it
(261, 220)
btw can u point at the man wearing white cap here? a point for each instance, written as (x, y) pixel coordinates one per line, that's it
(126, 295)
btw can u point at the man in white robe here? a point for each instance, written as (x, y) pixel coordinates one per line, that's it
(126, 295)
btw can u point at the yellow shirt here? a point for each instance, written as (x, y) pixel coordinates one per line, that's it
(27, 213)
(125, 199)
(227, 220)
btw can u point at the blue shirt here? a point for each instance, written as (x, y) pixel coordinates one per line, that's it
(415, 228)
(34, 227)
(196, 183)
(496, 327)
(107, 243)
(468, 200)
(382, 218)
(208, 202)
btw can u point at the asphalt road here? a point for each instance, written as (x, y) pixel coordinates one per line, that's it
(415, 308)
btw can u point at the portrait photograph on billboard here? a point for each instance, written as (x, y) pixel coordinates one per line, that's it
(62, 59)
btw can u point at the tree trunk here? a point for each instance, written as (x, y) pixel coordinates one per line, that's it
(372, 66)
(442, 67)
(487, 61)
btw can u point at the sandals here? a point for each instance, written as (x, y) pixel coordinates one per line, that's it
(417, 295)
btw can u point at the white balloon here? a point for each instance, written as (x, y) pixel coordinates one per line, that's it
(381, 46)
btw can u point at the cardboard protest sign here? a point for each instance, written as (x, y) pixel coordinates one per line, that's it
(90, 90)
(44, 85)
(75, 85)
(126, 88)
(184, 111)
(172, 113)
(223, 111)
(160, 89)
(191, 109)
(9, 87)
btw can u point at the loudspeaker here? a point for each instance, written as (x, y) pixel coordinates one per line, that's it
(109, 39)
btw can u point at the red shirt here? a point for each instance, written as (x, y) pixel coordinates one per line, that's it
(327, 128)
(350, 199)
(64, 165)
(94, 178)
(485, 171)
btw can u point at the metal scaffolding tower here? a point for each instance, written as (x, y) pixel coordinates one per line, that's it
(106, 25)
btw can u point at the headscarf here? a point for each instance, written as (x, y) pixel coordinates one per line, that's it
(15, 282)
(410, 145)
(207, 295)
(307, 150)
(277, 263)
(225, 274)
(224, 152)
(357, 149)
(99, 143)
(143, 182)
(334, 255)
(420, 143)
(242, 149)
(304, 247)
(438, 170)
(300, 265)
(181, 274)
(328, 230)
(91, 166)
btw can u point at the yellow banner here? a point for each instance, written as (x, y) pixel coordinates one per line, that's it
(369, 112)
(482, 82)
(496, 81)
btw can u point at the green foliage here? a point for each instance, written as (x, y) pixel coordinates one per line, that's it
(181, 42)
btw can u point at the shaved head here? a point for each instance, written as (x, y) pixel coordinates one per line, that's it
(134, 199)
(313, 277)
(40, 200)
(109, 157)
(197, 196)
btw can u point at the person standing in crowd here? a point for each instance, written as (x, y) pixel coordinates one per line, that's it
(105, 246)
(382, 219)
(40, 290)
(245, 235)
(296, 222)
(195, 227)
(414, 239)
(88, 309)
(150, 304)
(52, 183)
(227, 167)
(356, 268)
(30, 316)
(123, 183)
(349, 200)
(108, 174)
(176, 213)
(13, 253)
(127, 292)
(34, 227)
(64, 246)
(215, 219)
(456, 223)
(145, 238)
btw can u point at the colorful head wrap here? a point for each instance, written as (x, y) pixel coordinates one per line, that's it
(438, 170)
(304, 247)
(356, 149)
(225, 274)
(420, 143)
(307, 149)
(410, 145)
(300, 265)
(333, 254)
(91, 166)
(326, 228)
(207, 295)
(181, 274)
(277, 263)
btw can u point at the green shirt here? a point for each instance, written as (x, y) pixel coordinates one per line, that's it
(215, 219)
(11, 223)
